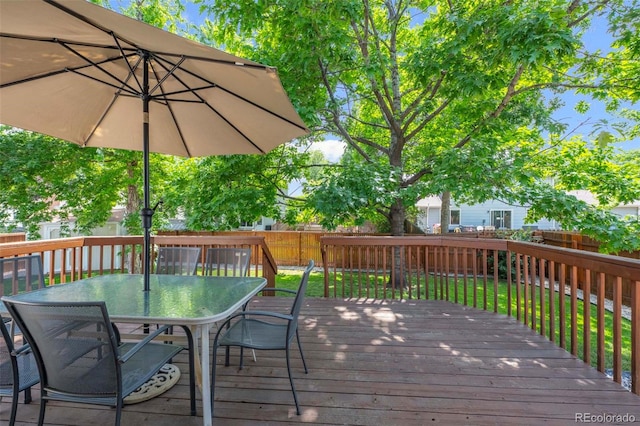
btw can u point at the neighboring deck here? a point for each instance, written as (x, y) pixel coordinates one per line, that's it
(386, 363)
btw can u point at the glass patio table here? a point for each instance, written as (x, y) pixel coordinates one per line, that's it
(194, 301)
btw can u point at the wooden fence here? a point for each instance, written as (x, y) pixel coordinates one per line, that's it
(13, 237)
(288, 248)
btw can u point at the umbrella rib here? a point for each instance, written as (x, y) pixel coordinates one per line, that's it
(168, 105)
(126, 89)
(94, 64)
(83, 18)
(267, 69)
(61, 71)
(161, 64)
(106, 111)
(124, 56)
(167, 75)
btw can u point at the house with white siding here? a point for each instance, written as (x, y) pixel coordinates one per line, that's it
(498, 214)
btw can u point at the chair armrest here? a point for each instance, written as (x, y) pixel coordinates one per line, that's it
(244, 314)
(125, 357)
(22, 349)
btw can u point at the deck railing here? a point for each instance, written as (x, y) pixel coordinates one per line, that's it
(69, 259)
(577, 299)
(574, 298)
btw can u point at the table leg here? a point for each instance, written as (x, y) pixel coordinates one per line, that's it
(205, 375)
(195, 332)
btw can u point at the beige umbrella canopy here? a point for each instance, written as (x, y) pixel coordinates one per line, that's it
(80, 72)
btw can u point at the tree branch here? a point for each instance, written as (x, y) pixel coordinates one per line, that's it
(582, 17)
(428, 119)
(511, 92)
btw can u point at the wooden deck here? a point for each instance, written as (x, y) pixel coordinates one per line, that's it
(387, 363)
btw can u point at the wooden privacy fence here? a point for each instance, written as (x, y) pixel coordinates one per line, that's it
(534, 283)
(288, 248)
(12, 237)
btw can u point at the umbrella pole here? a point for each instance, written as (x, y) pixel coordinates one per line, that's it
(147, 212)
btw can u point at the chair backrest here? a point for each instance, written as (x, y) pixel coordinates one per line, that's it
(74, 345)
(227, 261)
(20, 274)
(177, 260)
(297, 303)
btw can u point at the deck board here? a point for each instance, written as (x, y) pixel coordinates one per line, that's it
(394, 362)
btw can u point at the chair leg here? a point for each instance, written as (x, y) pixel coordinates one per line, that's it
(213, 375)
(118, 411)
(293, 388)
(27, 396)
(301, 353)
(43, 404)
(14, 410)
(226, 356)
(192, 369)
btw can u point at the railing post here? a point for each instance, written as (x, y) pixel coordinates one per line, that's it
(635, 338)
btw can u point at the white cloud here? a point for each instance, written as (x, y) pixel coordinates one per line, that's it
(332, 149)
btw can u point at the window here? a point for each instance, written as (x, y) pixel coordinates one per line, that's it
(246, 224)
(501, 219)
(455, 217)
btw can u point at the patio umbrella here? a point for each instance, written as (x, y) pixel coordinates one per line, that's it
(80, 72)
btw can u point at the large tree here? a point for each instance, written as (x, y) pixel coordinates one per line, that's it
(44, 179)
(430, 96)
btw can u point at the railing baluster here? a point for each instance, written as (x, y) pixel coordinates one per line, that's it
(525, 303)
(600, 313)
(496, 274)
(509, 284)
(561, 306)
(465, 269)
(455, 276)
(484, 279)
(586, 318)
(519, 264)
(574, 310)
(542, 279)
(532, 266)
(635, 337)
(552, 301)
(475, 278)
(617, 330)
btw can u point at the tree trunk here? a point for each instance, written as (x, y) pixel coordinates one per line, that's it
(397, 278)
(133, 208)
(445, 212)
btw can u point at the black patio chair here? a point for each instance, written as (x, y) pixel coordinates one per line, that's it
(262, 330)
(20, 274)
(18, 371)
(223, 261)
(79, 358)
(177, 260)
(228, 262)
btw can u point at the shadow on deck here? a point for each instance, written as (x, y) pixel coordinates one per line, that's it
(388, 362)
